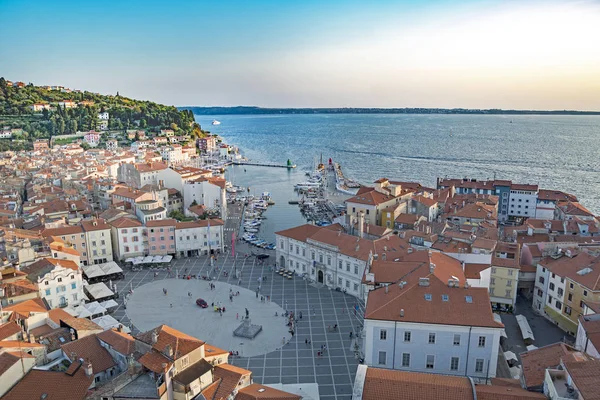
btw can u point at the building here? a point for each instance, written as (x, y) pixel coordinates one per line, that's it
(98, 240)
(504, 277)
(209, 192)
(112, 144)
(564, 283)
(128, 238)
(60, 282)
(175, 177)
(199, 237)
(38, 107)
(425, 324)
(335, 259)
(150, 210)
(67, 104)
(92, 138)
(161, 237)
(103, 116)
(588, 333)
(207, 144)
(138, 175)
(383, 384)
(40, 145)
(172, 155)
(14, 366)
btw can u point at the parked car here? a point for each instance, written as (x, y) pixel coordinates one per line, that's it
(202, 303)
(262, 256)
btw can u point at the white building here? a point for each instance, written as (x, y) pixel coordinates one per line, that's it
(426, 325)
(172, 154)
(209, 192)
(199, 237)
(331, 257)
(60, 282)
(104, 116)
(98, 240)
(523, 200)
(138, 175)
(174, 177)
(128, 238)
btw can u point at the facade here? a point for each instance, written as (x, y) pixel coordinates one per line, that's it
(523, 201)
(564, 283)
(504, 276)
(60, 282)
(161, 237)
(150, 210)
(207, 144)
(174, 178)
(98, 239)
(172, 155)
(426, 325)
(138, 175)
(330, 257)
(199, 237)
(128, 238)
(209, 192)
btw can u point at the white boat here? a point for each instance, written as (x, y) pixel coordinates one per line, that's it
(308, 185)
(215, 122)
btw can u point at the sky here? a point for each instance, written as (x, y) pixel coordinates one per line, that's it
(312, 53)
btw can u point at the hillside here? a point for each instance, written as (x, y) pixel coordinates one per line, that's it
(60, 111)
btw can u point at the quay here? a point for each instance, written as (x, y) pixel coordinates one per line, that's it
(289, 165)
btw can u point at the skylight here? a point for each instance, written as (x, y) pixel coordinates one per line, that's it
(445, 297)
(428, 296)
(469, 299)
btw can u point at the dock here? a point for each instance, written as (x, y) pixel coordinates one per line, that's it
(288, 166)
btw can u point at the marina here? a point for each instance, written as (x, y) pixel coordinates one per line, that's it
(289, 164)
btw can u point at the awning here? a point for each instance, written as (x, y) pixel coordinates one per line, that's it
(509, 355)
(100, 270)
(525, 328)
(109, 322)
(109, 304)
(515, 372)
(98, 291)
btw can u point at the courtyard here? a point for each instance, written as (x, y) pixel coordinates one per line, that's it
(269, 360)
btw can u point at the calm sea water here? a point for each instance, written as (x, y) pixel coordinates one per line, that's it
(556, 152)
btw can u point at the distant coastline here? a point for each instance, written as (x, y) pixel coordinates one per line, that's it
(250, 110)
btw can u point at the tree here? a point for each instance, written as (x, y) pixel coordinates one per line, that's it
(72, 126)
(143, 123)
(46, 114)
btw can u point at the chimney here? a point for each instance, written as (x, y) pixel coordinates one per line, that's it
(154, 337)
(384, 257)
(402, 312)
(386, 289)
(410, 250)
(169, 351)
(361, 223)
(431, 268)
(401, 284)
(450, 282)
(89, 371)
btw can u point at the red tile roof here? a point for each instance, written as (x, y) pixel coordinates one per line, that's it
(90, 349)
(535, 362)
(256, 391)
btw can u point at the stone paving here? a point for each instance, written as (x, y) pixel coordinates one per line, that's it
(295, 362)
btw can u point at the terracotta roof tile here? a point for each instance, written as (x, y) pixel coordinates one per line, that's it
(489, 392)
(535, 362)
(56, 386)
(383, 384)
(256, 391)
(230, 376)
(180, 343)
(90, 349)
(155, 362)
(9, 329)
(120, 341)
(585, 376)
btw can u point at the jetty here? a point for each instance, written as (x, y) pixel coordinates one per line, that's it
(289, 164)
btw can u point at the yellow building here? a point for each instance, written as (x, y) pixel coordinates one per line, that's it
(504, 276)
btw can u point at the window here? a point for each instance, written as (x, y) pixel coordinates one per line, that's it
(585, 292)
(456, 341)
(479, 365)
(508, 293)
(430, 361)
(340, 281)
(356, 269)
(509, 282)
(567, 310)
(445, 297)
(347, 267)
(551, 286)
(303, 252)
(560, 291)
(570, 297)
(297, 250)
(493, 270)
(74, 296)
(312, 255)
(432, 338)
(73, 286)
(281, 244)
(46, 283)
(541, 280)
(356, 287)
(428, 296)
(492, 281)
(60, 279)
(454, 364)
(553, 276)
(328, 260)
(340, 263)
(406, 359)
(571, 285)
(510, 272)
(382, 358)
(72, 276)
(407, 336)
(382, 334)
(481, 342)
(348, 284)
(48, 291)
(558, 304)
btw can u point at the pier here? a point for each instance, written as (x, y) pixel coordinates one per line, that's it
(288, 165)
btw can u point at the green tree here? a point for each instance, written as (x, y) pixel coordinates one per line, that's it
(73, 126)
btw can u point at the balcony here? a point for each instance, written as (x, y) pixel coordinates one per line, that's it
(557, 387)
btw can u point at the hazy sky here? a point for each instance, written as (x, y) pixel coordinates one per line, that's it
(312, 53)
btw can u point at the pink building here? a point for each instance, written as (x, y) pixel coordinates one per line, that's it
(161, 237)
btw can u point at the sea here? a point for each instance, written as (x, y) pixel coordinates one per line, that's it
(555, 152)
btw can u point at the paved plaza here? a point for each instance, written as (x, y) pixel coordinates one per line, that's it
(149, 307)
(295, 362)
